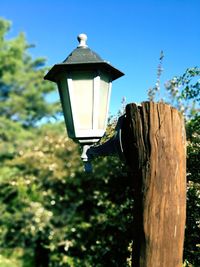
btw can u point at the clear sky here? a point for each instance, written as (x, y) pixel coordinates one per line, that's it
(128, 33)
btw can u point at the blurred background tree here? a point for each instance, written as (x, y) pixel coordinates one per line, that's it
(23, 91)
(52, 213)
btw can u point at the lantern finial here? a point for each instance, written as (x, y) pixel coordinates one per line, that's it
(82, 38)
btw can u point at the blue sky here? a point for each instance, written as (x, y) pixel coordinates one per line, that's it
(129, 34)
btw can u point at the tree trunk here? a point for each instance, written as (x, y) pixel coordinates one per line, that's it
(154, 144)
(41, 256)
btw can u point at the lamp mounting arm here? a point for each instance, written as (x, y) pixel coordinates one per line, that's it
(111, 147)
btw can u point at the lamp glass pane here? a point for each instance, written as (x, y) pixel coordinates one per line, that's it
(66, 106)
(82, 83)
(103, 101)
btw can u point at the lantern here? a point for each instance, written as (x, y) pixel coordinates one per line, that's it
(84, 82)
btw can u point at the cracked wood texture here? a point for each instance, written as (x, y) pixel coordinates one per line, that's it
(154, 143)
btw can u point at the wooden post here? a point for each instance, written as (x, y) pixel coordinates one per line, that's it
(154, 144)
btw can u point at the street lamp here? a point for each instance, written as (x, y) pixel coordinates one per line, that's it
(84, 82)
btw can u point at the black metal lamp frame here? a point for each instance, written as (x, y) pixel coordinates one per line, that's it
(113, 146)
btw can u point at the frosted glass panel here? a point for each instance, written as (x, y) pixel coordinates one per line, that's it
(66, 105)
(103, 98)
(82, 83)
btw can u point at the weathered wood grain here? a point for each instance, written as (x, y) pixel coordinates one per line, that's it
(154, 143)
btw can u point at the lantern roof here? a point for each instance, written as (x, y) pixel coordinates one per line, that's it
(83, 58)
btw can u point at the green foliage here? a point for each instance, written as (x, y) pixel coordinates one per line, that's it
(23, 91)
(184, 91)
(79, 219)
(11, 259)
(192, 234)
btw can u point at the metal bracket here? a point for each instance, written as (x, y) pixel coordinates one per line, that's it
(112, 147)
